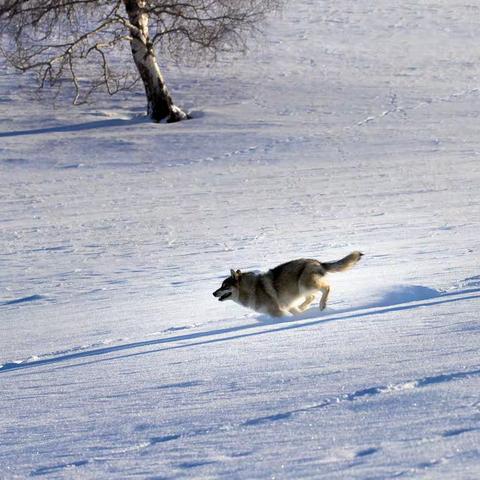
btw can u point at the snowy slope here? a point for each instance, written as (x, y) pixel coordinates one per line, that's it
(349, 126)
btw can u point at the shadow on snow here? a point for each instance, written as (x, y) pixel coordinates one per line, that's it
(114, 122)
(217, 335)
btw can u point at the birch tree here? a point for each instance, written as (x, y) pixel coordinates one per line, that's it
(78, 41)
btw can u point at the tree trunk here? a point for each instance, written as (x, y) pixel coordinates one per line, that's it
(159, 103)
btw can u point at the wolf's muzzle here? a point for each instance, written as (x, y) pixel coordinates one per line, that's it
(218, 294)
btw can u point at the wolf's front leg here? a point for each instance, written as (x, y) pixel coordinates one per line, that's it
(308, 301)
(295, 311)
(276, 311)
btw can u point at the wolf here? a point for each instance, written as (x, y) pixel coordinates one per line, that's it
(289, 288)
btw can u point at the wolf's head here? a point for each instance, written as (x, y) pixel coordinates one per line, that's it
(229, 289)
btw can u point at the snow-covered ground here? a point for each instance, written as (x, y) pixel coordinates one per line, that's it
(351, 125)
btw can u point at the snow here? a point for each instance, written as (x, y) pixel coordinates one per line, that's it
(349, 126)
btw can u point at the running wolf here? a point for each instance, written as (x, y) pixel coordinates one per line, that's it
(287, 288)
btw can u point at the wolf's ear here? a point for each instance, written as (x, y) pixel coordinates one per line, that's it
(235, 274)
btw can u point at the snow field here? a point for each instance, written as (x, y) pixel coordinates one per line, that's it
(350, 126)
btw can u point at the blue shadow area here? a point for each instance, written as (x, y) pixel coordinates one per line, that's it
(217, 335)
(115, 122)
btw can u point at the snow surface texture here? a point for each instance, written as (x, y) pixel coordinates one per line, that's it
(352, 125)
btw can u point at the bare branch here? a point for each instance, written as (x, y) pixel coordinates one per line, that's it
(79, 40)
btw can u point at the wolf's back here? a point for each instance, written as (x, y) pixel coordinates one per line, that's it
(343, 264)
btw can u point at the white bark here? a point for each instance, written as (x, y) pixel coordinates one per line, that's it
(159, 102)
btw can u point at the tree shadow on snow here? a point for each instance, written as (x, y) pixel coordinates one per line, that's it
(78, 127)
(264, 326)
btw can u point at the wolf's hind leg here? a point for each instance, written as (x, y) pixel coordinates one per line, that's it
(315, 282)
(325, 289)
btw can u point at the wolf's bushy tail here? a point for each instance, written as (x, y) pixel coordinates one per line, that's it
(344, 264)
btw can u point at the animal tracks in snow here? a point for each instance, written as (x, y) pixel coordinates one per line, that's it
(330, 402)
(394, 108)
(370, 392)
(28, 299)
(250, 150)
(56, 469)
(409, 385)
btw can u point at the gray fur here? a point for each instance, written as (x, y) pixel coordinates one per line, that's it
(288, 288)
